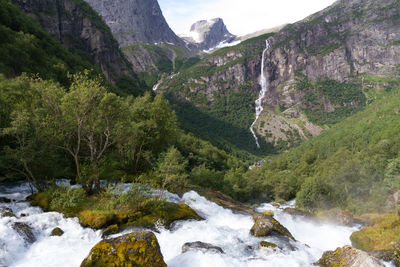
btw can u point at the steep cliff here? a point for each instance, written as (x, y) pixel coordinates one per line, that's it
(318, 70)
(208, 34)
(74, 24)
(133, 21)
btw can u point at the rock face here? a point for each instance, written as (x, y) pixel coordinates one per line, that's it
(207, 34)
(201, 246)
(134, 249)
(345, 42)
(347, 257)
(75, 25)
(264, 225)
(134, 21)
(25, 231)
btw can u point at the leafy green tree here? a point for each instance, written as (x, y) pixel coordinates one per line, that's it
(88, 122)
(392, 174)
(171, 170)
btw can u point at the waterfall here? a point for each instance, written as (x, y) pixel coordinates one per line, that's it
(263, 92)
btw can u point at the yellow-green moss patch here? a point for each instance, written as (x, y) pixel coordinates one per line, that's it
(135, 249)
(383, 234)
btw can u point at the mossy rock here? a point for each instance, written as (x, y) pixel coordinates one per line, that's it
(41, 199)
(347, 257)
(110, 230)
(57, 232)
(6, 212)
(268, 212)
(264, 225)
(266, 244)
(383, 234)
(134, 249)
(154, 212)
(96, 219)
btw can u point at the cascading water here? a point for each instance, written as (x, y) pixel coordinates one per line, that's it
(263, 92)
(220, 227)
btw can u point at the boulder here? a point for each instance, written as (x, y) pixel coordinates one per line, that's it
(298, 212)
(348, 257)
(110, 230)
(5, 200)
(134, 249)
(6, 212)
(264, 225)
(387, 255)
(57, 232)
(266, 244)
(201, 246)
(25, 231)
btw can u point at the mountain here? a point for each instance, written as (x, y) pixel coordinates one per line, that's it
(318, 72)
(76, 26)
(133, 21)
(208, 34)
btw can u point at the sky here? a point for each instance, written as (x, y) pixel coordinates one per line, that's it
(240, 16)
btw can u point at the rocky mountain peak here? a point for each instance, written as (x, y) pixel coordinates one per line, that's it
(207, 34)
(133, 21)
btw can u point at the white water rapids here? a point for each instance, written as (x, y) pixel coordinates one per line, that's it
(263, 92)
(221, 227)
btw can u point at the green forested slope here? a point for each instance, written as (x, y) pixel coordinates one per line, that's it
(353, 165)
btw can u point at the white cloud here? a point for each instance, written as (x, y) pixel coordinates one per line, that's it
(240, 16)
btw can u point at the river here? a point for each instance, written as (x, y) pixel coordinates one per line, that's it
(221, 227)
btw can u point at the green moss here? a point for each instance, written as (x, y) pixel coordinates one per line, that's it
(129, 250)
(96, 219)
(382, 235)
(265, 244)
(41, 199)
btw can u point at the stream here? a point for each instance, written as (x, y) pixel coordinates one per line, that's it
(221, 227)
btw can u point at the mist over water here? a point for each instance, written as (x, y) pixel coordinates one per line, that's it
(221, 227)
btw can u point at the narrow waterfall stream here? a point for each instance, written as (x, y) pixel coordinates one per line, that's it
(221, 227)
(263, 92)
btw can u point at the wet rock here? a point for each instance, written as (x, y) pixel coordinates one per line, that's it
(23, 215)
(348, 257)
(387, 255)
(5, 200)
(134, 249)
(6, 212)
(110, 230)
(201, 246)
(264, 225)
(297, 212)
(266, 244)
(57, 232)
(25, 231)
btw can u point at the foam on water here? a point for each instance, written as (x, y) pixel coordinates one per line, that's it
(220, 227)
(67, 250)
(230, 231)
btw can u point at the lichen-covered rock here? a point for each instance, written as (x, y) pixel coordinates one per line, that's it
(201, 246)
(264, 225)
(25, 231)
(57, 232)
(6, 212)
(134, 249)
(347, 257)
(110, 230)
